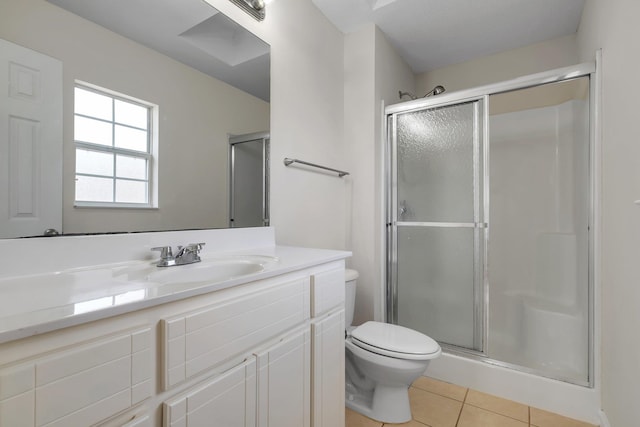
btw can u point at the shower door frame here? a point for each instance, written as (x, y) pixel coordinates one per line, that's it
(480, 213)
(234, 141)
(390, 200)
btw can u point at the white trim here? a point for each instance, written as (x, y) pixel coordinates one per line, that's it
(604, 421)
(380, 306)
(596, 166)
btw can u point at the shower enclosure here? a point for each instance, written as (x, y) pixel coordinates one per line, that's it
(489, 223)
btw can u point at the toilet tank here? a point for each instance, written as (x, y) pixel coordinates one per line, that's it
(350, 277)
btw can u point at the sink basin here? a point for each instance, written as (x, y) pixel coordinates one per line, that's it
(207, 271)
(88, 289)
(211, 271)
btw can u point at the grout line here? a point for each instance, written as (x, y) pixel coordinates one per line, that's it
(459, 414)
(500, 413)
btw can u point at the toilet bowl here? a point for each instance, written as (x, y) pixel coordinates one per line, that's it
(381, 362)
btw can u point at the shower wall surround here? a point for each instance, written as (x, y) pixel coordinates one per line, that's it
(539, 240)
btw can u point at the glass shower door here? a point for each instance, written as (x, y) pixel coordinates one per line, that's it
(437, 228)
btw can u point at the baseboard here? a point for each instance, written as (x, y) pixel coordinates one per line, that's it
(604, 421)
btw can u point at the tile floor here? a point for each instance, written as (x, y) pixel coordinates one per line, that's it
(438, 404)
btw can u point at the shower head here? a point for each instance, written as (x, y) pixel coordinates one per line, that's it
(435, 91)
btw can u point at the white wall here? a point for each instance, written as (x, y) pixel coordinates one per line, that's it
(193, 121)
(374, 73)
(360, 138)
(554, 53)
(308, 208)
(613, 26)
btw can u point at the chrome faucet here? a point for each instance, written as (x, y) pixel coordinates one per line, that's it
(186, 255)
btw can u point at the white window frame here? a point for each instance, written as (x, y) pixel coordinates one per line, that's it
(150, 155)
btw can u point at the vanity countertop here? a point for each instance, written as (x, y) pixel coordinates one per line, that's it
(38, 303)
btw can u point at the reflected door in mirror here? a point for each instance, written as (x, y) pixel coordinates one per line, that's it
(249, 195)
(31, 142)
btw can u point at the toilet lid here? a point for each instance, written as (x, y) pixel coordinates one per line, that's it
(394, 341)
(350, 275)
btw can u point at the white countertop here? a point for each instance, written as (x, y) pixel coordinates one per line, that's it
(33, 304)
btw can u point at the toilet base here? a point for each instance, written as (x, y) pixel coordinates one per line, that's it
(386, 404)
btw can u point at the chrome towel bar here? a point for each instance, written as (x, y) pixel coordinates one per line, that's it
(288, 161)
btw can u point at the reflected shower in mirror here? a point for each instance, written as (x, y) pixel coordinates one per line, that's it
(206, 77)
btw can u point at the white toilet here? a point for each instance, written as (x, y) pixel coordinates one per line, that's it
(381, 361)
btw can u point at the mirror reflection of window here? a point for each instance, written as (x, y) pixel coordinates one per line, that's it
(114, 149)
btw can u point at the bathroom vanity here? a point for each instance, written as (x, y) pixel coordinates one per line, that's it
(251, 336)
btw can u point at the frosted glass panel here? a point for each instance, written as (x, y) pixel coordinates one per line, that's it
(131, 191)
(435, 164)
(436, 282)
(94, 162)
(91, 189)
(131, 167)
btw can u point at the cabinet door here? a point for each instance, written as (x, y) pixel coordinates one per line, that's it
(327, 291)
(228, 400)
(284, 372)
(78, 386)
(328, 370)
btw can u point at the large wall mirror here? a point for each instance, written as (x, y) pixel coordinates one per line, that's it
(206, 76)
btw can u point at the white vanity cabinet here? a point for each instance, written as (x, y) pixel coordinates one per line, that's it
(271, 388)
(226, 400)
(284, 382)
(266, 353)
(327, 329)
(77, 386)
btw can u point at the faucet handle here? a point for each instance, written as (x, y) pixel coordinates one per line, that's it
(165, 252)
(195, 247)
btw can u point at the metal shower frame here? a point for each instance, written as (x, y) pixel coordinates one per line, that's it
(481, 301)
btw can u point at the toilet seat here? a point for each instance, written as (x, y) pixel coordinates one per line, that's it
(394, 341)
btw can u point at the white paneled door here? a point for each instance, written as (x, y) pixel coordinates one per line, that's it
(30, 142)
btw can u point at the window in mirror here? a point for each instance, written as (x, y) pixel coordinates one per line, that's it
(114, 149)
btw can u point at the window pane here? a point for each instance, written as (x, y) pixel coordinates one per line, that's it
(131, 191)
(131, 167)
(90, 189)
(131, 114)
(94, 162)
(93, 104)
(131, 139)
(93, 131)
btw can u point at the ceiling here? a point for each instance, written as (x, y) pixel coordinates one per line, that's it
(431, 34)
(189, 31)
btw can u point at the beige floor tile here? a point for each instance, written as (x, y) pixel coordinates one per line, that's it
(433, 409)
(409, 424)
(440, 387)
(472, 416)
(496, 404)
(355, 419)
(540, 418)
